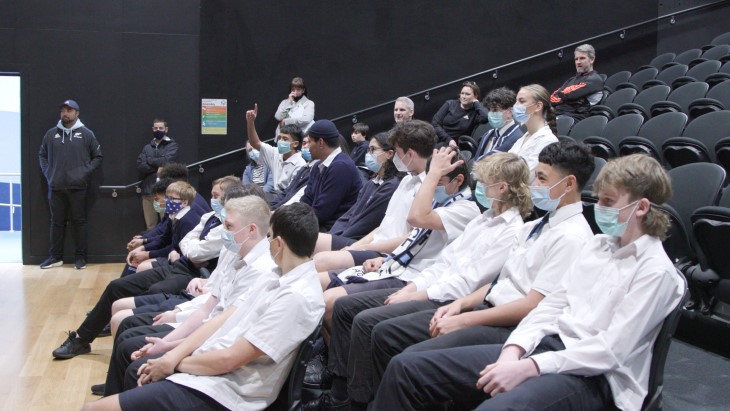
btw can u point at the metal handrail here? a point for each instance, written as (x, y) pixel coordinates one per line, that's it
(426, 93)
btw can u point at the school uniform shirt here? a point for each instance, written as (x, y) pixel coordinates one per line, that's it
(539, 262)
(608, 313)
(176, 229)
(369, 209)
(530, 145)
(237, 281)
(395, 222)
(474, 259)
(283, 170)
(203, 242)
(276, 319)
(454, 218)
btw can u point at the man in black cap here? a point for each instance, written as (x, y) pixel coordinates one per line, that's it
(68, 155)
(335, 182)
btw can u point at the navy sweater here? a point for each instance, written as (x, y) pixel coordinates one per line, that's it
(358, 153)
(172, 234)
(333, 190)
(368, 211)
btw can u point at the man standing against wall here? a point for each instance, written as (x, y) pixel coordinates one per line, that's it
(160, 151)
(68, 155)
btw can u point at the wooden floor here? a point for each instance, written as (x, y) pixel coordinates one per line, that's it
(38, 307)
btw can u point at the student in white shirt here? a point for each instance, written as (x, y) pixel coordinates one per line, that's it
(474, 259)
(587, 345)
(533, 110)
(284, 160)
(241, 358)
(413, 142)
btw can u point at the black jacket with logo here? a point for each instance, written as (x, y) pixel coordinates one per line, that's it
(153, 156)
(68, 158)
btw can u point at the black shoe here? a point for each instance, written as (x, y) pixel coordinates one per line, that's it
(72, 347)
(325, 402)
(51, 262)
(80, 264)
(98, 389)
(106, 331)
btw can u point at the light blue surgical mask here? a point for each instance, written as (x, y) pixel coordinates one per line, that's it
(216, 205)
(371, 162)
(607, 219)
(440, 195)
(496, 120)
(541, 197)
(519, 113)
(254, 155)
(306, 154)
(283, 146)
(223, 214)
(481, 195)
(229, 240)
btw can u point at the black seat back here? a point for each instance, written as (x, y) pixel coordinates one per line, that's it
(668, 75)
(653, 399)
(606, 145)
(721, 39)
(616, 79)
(644, 100)
(680, 98)
(564, 124)
(638, 79)
(653, 133)
(717, 99)
(589, 126)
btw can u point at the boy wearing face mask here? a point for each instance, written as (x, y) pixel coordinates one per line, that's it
(284, 160)
(588, 345)
(505, 131)
(533, 269)
(257, 173)
(241, 357)
(160, 151)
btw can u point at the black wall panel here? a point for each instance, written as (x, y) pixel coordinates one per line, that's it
(131, 60)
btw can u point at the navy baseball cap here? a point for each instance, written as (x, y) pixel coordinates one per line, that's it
(70, 103)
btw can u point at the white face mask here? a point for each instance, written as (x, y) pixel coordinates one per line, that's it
(399, 165)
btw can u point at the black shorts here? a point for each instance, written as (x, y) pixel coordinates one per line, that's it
(339, 242)
(166, 395)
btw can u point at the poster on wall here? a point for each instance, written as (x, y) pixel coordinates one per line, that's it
(214, 116)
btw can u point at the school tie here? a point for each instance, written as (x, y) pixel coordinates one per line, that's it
(538, 227)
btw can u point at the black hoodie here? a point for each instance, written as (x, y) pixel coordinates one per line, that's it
(69, 156)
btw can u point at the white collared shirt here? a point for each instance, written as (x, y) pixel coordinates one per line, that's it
(474, 259)
(279, 314)
(529, 146)
(180, 214)
(330, 158)
(198, 250)
(539, 263)
(394, 223)
(608, 312)
(454, 218)
(283, 170)
(240, 275)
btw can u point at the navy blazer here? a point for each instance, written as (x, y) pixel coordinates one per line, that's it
(331, 191)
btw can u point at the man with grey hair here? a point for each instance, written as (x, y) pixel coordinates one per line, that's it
(584, 89)
(403, 109)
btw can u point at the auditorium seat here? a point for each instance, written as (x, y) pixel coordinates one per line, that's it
(637, 80)
(719, 53)
(699, 72)
(609, 107)
(653, 133)
(697, 142)
(723, 74)
(667, 76)
(660, 60)
(685, 57)
(711, 277)
(589, 126)
(721, 39)
(564, 124)
(717, 99)
(616, 79)
(606, 145)
(644, 100)
(680, 98)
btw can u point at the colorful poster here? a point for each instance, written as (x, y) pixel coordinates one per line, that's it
(214, 116)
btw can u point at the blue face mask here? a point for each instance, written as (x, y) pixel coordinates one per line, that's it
(371, 163)
(607, 219)
(216, 205)
(541, 197)
(283, 146)
(172, 207)
(440, 195)
(306, 154)
(519, 113)
(481, 195)
(254, 155)
(223, 214)
(229, 240)
(495, 119)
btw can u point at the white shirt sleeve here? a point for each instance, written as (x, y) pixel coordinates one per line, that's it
(198, 250)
